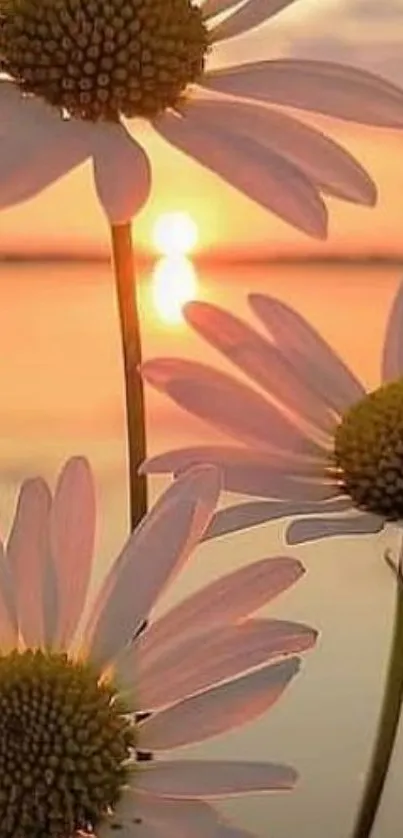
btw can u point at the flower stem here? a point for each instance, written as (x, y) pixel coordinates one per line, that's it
(123, 260)
(388, 724)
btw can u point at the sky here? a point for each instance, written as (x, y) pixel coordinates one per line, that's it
(363, 32)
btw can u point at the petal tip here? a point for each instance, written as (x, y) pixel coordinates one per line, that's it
(204, 478)
(297, 566)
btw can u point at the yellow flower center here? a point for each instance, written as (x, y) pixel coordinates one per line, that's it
(64, 743)
(369, 452)
(100, 59)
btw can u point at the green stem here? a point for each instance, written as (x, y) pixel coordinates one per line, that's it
(387, 727)
(123, 260)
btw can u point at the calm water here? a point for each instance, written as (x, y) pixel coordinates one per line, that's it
(62, 393)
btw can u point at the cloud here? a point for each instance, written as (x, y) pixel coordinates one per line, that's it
(365, 33)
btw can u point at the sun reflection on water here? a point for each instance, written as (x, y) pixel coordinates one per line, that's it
(174, 283)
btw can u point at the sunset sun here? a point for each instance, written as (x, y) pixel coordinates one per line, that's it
(175, 233)
(174, 280)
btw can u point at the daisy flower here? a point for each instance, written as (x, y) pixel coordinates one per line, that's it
(79, 75)
(87, 713)
(313, 443)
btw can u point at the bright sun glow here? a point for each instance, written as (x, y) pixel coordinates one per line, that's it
(174, 283)
(175, 233)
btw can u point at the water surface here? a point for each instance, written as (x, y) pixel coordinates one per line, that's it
(62, 393)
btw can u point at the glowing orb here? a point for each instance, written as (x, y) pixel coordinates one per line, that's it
(174, 283)
(175, 233)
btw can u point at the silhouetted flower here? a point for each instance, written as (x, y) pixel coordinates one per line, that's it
(85, 714)
(78, 77)
(317, 445)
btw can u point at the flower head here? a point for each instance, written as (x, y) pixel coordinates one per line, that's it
(78, 76)
(315, 443)
(103, 60)
(86, 712)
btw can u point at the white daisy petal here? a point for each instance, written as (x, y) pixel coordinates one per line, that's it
(72, 534)
(251, 14)
(227, 600)
(165, 818)
(195, 663)
(265, 177)
(230, 831)
(122, 172)
(392, 355)
(178, 818)
(243, 473)
(12, 106)
(332, 89)
(219, 709)
(21, 111)
(225, 403)
(8, 620)
(130, 819)
(250, 471)
(243, 516)
(183, 779)
(321, 159)
(211, 8)
(262, 361)
(308, 352)
(127, 829)
(28, 555)
(153, 554)
(312, 529)
(36, 155)
(227, 457)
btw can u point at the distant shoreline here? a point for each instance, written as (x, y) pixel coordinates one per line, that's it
(211, 260)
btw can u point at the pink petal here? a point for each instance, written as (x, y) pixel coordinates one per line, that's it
(332, 89)
(39, 150)
(248, 16)
(28, 556)
(191, 664)
(242, 516)
(392, 356)
(130, 819)
(230, 831)
(183, 779)
(181, 819)
(13, 107)
(210, 8)
(253, 472)
(177, 819)
(122, 172)
(312, 529)
(8, 618)
(128, 829)
(260, 360)
(259, 173)
(308, 352)
(222, 708)
(228, 599)
(321, 159)
(154, 553)
(228, 405)
(72, 532)
(227, 457)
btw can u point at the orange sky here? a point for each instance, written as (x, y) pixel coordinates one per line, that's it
(67, 217)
